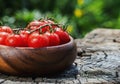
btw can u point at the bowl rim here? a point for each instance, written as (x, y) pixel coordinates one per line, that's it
(47, 47)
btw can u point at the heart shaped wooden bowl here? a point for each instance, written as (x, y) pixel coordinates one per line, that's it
(26, 61)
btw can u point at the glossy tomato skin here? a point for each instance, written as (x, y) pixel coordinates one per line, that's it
(53, 38)
(24, 35)
(36, 40)
(47, 28)
(14, 40)
(6, 29)
(38, 23)
(34, 24)
(3, 36)
(63, 35)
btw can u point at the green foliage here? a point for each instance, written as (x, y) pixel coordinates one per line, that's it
(81, 16)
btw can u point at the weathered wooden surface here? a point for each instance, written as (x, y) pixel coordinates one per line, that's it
(98, 62)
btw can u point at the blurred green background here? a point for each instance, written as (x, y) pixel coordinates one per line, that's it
(81, 16)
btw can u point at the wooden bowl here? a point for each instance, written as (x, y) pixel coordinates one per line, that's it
(27, 61)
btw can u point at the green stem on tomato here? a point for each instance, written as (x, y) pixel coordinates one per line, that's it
(64, 27)
(16, 31)
(45, 26)
(38, 28)
(51, 29)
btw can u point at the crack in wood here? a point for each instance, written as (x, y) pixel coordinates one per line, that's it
(97, 62)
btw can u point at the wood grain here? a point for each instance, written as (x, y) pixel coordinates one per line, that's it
(97, 62)
(36, 61)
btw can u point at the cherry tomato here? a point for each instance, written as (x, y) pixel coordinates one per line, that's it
(14, 40)
(38, 40)
(63, 35)
(24, 35)
(53, 39)
(6, 29)
(47, 28)
(38, 23)
(3, 36)
(34, 24)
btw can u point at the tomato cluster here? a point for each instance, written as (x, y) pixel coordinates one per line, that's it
(38, 33)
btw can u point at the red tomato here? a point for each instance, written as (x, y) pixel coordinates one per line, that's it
(38, 40)
(24, 35)
(34, 24)
(14, 40)
(38, 23)
(53, 39)
(47, 28)
(63, 35)
(3, 36)
(6, 29)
